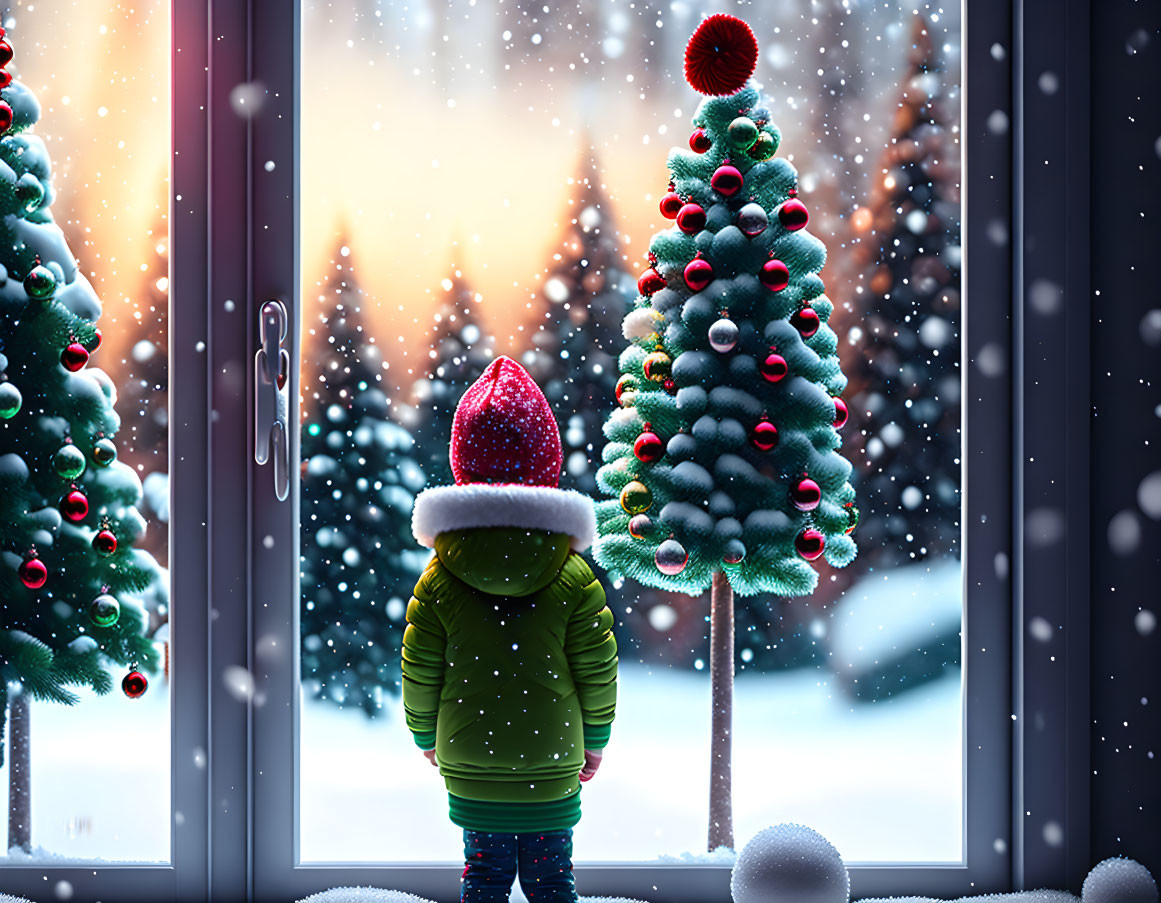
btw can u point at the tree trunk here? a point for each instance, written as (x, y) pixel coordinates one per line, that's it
(19, 775)
(721, 809)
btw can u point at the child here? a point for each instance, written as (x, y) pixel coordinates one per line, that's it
(509, 660)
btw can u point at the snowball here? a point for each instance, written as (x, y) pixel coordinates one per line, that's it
(362, 895)
(1046, 297)
(1124, 532)
(935, 332)
(1119, 880)
(143, 351)
(1149, 495)
(662, 617)
(789, 864)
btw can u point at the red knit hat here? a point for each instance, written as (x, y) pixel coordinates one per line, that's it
(504, 431)
(506, 456)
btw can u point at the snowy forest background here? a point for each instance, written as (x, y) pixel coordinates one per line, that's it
(493, 191)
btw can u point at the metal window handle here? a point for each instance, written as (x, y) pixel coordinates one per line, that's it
(272, 396)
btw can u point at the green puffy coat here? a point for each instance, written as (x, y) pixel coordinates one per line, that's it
(509, 673)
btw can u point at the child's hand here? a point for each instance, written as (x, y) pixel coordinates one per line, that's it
(592, 763)
(430, 753)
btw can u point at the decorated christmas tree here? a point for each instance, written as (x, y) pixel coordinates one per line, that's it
(906, 373)
(722, 460)
(143, 394)
(359, 559)
(68, 507)
(587, 293)
(462, 350)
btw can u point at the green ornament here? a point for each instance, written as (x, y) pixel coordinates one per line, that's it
(40, 283)
(104, 610)
(636, 497)
(852, 518)
(69, 462)
(10, 401)
(743, 132)
(104, 452)
(763, 148)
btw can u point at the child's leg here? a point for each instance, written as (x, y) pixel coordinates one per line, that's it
(546, 867)
(489, 867)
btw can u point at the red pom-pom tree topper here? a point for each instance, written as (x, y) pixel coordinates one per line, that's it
(721, 55)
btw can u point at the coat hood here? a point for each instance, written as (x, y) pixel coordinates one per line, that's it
(503, 561)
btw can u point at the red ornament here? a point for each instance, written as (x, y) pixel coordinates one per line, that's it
(699, 141)
(5, 78)
(691, 218)
(721, 55)
(726, 180)
(134, 684)
(805, 494)
(96, 340)
(774, 367)
(698, 274)
(764, 435)
(650, 281)
(33, 573)
(5, 114)
(793, 215)
(670, 204)
(775, 275)
(5, 53)
(648, 447)
(840, 413)
(74, 505)
(810, 543)
(669, 386)
(806, 321)
(105, 542)
(74, 357)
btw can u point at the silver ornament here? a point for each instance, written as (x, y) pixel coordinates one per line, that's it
(734, 552)
(671, 557)
(723, 335)
(752, 219)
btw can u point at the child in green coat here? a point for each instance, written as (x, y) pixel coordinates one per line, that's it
(509, 660)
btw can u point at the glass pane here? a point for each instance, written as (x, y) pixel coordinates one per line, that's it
(511, 168)
(84, 437)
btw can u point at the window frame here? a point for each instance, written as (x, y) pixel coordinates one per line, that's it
(988, 734)
(234, 235)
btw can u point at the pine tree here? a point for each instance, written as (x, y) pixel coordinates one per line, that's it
(573, 358)
(359, 559)
(906, 367)
(143, 394)
(68, 508)
(462, 349)
(723, 461)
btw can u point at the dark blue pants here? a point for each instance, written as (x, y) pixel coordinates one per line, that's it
(543, 861)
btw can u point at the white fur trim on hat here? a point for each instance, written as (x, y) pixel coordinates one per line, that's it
(510, 505)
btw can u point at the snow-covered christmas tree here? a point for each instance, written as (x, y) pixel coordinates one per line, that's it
(905, 370)
(359, 559)
(68, 507)
(461, 350)
(586, 294)
(723, 461)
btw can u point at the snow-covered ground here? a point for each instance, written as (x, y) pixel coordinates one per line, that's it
(100, 777)
(881, 781)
